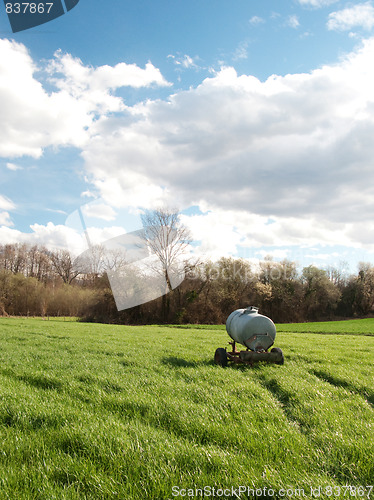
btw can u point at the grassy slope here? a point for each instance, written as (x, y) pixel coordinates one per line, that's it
(101, 411)
(352, 327)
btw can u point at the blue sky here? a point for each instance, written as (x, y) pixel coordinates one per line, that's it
(254, 118)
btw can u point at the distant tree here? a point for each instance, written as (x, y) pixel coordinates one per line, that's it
(215, 289)
(279, 289)
(114, 259)
(233, 285)
(364, 289)
(338, 274)
(39, 264)
(13, 257)
(348, 300)
(321, 296)
(5, 291)
(64, 265)
(168, 239)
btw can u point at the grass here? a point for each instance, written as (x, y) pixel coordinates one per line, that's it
(345, 327)
(92, 411)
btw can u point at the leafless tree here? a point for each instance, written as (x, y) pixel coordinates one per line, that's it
(338, 274)
(13, 257)
(114, 259)
(168, 239)
(64, 265)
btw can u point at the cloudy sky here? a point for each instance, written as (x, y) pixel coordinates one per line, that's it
(255, 118)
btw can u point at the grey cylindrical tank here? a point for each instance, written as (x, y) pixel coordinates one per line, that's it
(251, 329)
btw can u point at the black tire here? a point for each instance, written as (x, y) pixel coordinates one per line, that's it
(276, 349)
(220, 357)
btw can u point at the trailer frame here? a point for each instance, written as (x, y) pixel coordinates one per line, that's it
(247, 357)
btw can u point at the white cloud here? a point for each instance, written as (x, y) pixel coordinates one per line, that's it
(317, 3)
(33, 119)
(293, 21)
(278, 253)
(322, 256)
(59, 236)
(54, 237)
(88, 194)
(6, 203)
(361, 15)
(221, 232)
(5, 219)
(256, 20)
(298, 147)
(55, 211)
(13, 167)
(241, 51)
(216, 233)
(100, 235)
(9, 236)
(95, 84)
(184, 61)
(99, 211)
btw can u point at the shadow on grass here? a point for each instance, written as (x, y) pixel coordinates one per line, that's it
(41, 382)
(13, 417)
(49, 336)
(183, 363)
(180, 362)
(285, 399)
(38, 381)
(364, 392)
(194, 327)
(272, 385)
(17, 339)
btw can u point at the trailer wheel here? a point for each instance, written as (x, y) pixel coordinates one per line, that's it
(220, 357)
(281, 361)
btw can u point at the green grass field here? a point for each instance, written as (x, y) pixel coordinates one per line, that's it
(346, 327)
(91, 411)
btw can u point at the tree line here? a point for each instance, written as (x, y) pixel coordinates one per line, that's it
(36, 281)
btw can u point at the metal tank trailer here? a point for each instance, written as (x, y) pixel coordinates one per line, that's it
(255, 332)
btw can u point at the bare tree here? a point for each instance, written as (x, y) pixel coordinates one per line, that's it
(39, 264)
(168, 239)
(114, 259)
(338, 274)
(13, 257)
(64, 265)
